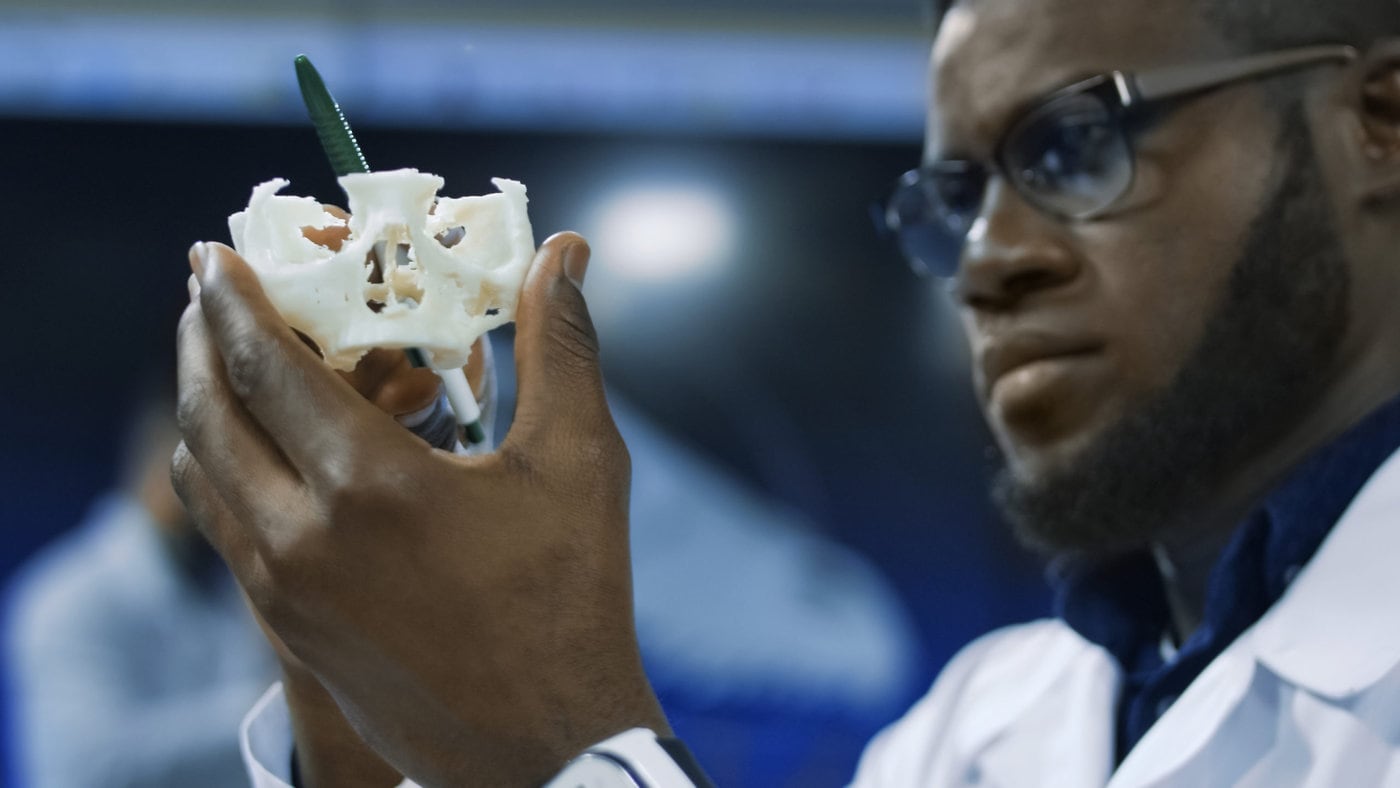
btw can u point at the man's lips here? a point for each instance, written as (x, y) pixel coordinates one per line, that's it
(1004, 355)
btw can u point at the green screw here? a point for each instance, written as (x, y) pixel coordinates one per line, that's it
(338, 141)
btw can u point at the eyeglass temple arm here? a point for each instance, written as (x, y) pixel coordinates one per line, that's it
(1177, 81)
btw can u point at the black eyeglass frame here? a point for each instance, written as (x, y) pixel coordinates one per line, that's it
(1125, 94)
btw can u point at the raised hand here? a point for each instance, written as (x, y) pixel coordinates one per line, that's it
(472, 616)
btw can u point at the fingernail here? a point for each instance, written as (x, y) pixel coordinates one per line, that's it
(193, 284)
(576, 263)
(199, 253)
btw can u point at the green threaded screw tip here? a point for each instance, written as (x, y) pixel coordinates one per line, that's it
(475, 432)
(337, 139)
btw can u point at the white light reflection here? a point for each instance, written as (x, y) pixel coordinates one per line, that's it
(663, 232)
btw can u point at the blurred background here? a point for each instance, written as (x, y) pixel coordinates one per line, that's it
(796, 398)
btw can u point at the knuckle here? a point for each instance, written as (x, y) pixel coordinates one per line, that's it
(588, 462)
(571, 330)
(292, 570)
(588, 455)
(621, 456)
(248, 366)
(517, 464)
(182, 469)
(189, 406)
(187, 478)
(604, 455)
(359, 491)
(267, 592)
(187, 330)
(345, 502)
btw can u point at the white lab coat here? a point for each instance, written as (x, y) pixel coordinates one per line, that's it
(1308, 696)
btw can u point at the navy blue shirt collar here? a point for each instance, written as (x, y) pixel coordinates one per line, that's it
(1121, 605)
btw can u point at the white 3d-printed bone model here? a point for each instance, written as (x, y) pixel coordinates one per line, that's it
(450, 270)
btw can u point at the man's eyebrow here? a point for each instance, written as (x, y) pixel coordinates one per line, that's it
(1009, 117)
(957, 150)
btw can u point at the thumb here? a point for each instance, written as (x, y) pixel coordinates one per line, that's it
(559, 382)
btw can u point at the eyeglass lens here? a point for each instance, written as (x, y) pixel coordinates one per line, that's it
(1070, 157)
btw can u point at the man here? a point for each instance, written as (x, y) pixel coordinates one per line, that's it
(131, 654)
(1177, 282)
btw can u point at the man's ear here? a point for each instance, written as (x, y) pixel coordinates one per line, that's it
(1379, 113)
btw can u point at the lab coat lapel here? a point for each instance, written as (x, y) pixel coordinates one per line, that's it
(1335, 632)
(1331, 634)
(1191, 724)
(1051, 725)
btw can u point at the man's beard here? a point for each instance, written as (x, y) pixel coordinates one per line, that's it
(1256, 372)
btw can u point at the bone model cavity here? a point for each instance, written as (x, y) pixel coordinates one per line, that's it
(416, 270)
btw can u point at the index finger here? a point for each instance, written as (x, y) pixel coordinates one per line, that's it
(312, 415)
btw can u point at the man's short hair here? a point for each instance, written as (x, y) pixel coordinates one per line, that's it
(1261, 25)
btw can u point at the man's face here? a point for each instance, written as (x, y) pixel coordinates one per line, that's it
(1121, 360)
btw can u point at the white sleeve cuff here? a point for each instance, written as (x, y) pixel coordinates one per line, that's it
(265, 738)
(631, 759)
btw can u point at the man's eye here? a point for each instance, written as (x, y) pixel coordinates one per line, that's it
(1070, 156)
(1070, 150)
(960, 194)
(1065, 137)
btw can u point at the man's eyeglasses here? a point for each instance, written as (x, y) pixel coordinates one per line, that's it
(1070, 155)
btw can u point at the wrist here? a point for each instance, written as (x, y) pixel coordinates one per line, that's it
(328, 751)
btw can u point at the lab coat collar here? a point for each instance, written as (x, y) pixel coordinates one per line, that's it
(1045, 699)
(1331, 633)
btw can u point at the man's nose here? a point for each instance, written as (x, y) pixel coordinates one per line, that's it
(1012, 252)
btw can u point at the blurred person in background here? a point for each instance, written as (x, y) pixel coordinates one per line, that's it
(131, 653)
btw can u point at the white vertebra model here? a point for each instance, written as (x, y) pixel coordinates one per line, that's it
(450, 269)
